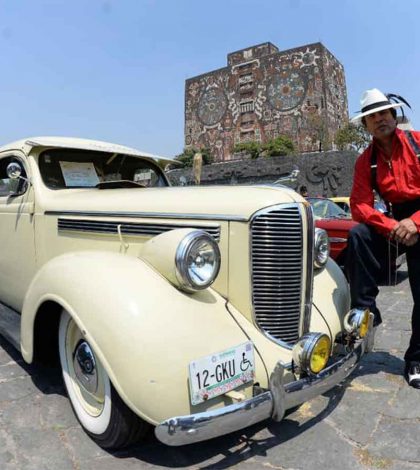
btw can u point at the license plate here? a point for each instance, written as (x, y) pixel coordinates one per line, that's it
(221, 372)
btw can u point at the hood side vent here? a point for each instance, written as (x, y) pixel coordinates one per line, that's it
(129, 228)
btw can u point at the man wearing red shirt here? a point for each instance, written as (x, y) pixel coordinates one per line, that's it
(391, 166)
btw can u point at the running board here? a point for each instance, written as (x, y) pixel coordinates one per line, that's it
(10, 325)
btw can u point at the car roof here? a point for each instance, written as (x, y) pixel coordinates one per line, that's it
(340, 198)
(26, 145)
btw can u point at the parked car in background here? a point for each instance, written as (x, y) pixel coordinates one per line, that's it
(343, 202)
(337, 222)
(194, 310)
(332, 218)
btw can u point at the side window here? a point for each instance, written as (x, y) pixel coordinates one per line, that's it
(146, 177)
(10, 186)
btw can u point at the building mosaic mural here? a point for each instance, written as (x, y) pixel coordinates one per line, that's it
(264, 93)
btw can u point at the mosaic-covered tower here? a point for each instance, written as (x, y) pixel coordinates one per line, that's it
(263, 93)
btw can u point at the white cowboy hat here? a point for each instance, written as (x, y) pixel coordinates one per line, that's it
(374, 100)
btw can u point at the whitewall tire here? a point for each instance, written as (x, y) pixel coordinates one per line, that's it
(95, 402)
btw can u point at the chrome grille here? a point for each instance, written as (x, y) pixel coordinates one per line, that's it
(277, 266)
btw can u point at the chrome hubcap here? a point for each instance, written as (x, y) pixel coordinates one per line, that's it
(85, 367)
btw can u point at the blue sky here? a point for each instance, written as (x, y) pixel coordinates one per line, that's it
(115, 69)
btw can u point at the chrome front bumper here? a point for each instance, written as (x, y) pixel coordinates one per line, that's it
(183, 430)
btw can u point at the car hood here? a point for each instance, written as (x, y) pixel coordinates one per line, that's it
(210, 202)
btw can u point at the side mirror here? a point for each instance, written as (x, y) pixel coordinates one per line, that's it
(14, 171)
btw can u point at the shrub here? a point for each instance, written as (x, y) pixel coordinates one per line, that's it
(253, 149)
(281, 145)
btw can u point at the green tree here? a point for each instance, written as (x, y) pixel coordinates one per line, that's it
(320, 134)
(253, 149)
(281, 145)
(187, 156)
(351, 136)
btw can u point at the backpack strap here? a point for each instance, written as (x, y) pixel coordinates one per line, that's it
(414, 144)
(373, 169)
(374, 179)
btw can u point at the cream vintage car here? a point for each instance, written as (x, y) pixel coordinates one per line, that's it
(196, 310)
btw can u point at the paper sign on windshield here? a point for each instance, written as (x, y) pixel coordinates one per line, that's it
(79, 173)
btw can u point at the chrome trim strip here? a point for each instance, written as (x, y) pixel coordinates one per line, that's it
(309, 269)
(129, 228)
(151, 215)
(337, 240)
(198, 427)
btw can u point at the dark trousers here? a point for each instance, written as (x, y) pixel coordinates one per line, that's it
(367, 259)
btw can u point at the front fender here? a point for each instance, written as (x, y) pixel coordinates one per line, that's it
(144, 331)
(331, 300)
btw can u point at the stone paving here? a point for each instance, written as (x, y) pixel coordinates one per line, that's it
(372, 421)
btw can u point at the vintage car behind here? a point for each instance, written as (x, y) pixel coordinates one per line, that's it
(343, 202)
(332, 218)
(197, 310)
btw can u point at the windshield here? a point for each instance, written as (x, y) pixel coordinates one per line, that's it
(72, 168)
(326, 209)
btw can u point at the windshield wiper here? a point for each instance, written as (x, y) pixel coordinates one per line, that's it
(119, 184)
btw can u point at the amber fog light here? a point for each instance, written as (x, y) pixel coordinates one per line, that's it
(311, 352)
(357, 321)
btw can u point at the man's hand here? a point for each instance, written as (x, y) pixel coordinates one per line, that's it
(405, 232)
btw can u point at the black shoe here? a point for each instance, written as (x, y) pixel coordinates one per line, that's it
(377, 321)
(377, 318)
(412, 374)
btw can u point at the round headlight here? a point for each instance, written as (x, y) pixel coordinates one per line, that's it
(197, 261)
(321, 248)
(357, 321)
(312, 351)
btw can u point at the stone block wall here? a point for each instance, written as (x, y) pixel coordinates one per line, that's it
(325, 173)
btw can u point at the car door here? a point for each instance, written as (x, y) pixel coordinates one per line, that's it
(17, 247)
